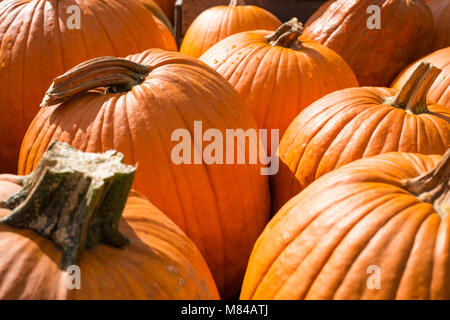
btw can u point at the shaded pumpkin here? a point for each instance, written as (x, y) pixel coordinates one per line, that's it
(151, 97)
(440, 91)
(356, 123)
(40, 40)
(375, 229)
(168, 6)
(375, 55)
(279, 74)
(169, 39)
(441, 14)
(140, 255)
(156, 10)
(219, 22)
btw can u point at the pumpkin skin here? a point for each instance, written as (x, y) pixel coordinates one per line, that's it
(276, 82)
(168, 6)
(222, 208)
(322, 242)
(440, 91)
(30, 57)
(441, 14)
(157, 13)
(150, 267)
(376, 56)
(219, 22)
(348, 125)
(169, 40)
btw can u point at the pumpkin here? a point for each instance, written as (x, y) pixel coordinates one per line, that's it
(356, 123)
(169, 40)
(156, 259)
(440, 91)
(151, 97)
(219, 22)
(168, 6)
(441, 14)
(377, 228)
(279, 74)
(375, 55)
(39, 40)
(158, 13)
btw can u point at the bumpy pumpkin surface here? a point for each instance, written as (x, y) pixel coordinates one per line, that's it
(40, 40)
(375, 55)
(356, 123)
(279, 74)
(441, 14)
(158, 261)
(219, 22)
(440, 91)
(222, 207)
(369, 230)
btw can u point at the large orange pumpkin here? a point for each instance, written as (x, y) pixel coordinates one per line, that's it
(441, 14)
(40, 40)
(156, 259)
(378, 228)
(156, 10)
(279, 74)
(219, 22)
(169, 39)
(375, 55)
(222, 207)
(356, 123)
(440, 91)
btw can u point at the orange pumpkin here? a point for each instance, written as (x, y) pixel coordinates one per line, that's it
(378, 228)
(356, 123)
(40, 40)
(156, 10)
(151, 97)
(169, 40)
(376, 53)
(219, 22)
(279, 74)
(441, 14)
(168, 6)
(156, 259)
(440, 91)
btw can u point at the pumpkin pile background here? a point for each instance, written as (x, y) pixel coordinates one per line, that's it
(363, 176)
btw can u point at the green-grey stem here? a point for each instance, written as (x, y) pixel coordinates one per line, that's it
(74, 199)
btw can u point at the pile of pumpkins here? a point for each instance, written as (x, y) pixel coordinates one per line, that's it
(364, 176)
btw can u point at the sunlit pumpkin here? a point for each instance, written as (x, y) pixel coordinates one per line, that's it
(378, 228)
(440, 90)
(356, 123)
(279, 74)
(42, 39)
(219, 22)
(142, 255)
(377, 38)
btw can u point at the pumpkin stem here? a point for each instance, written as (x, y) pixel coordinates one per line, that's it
(234, 3)
(287, 35)
(115, 74)
(74, 199)
(434, 187)
(412, 96)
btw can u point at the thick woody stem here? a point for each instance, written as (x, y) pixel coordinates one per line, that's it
(74, 199)
(412, 96)
(115, 74)
(287, 35)
(434, 187)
